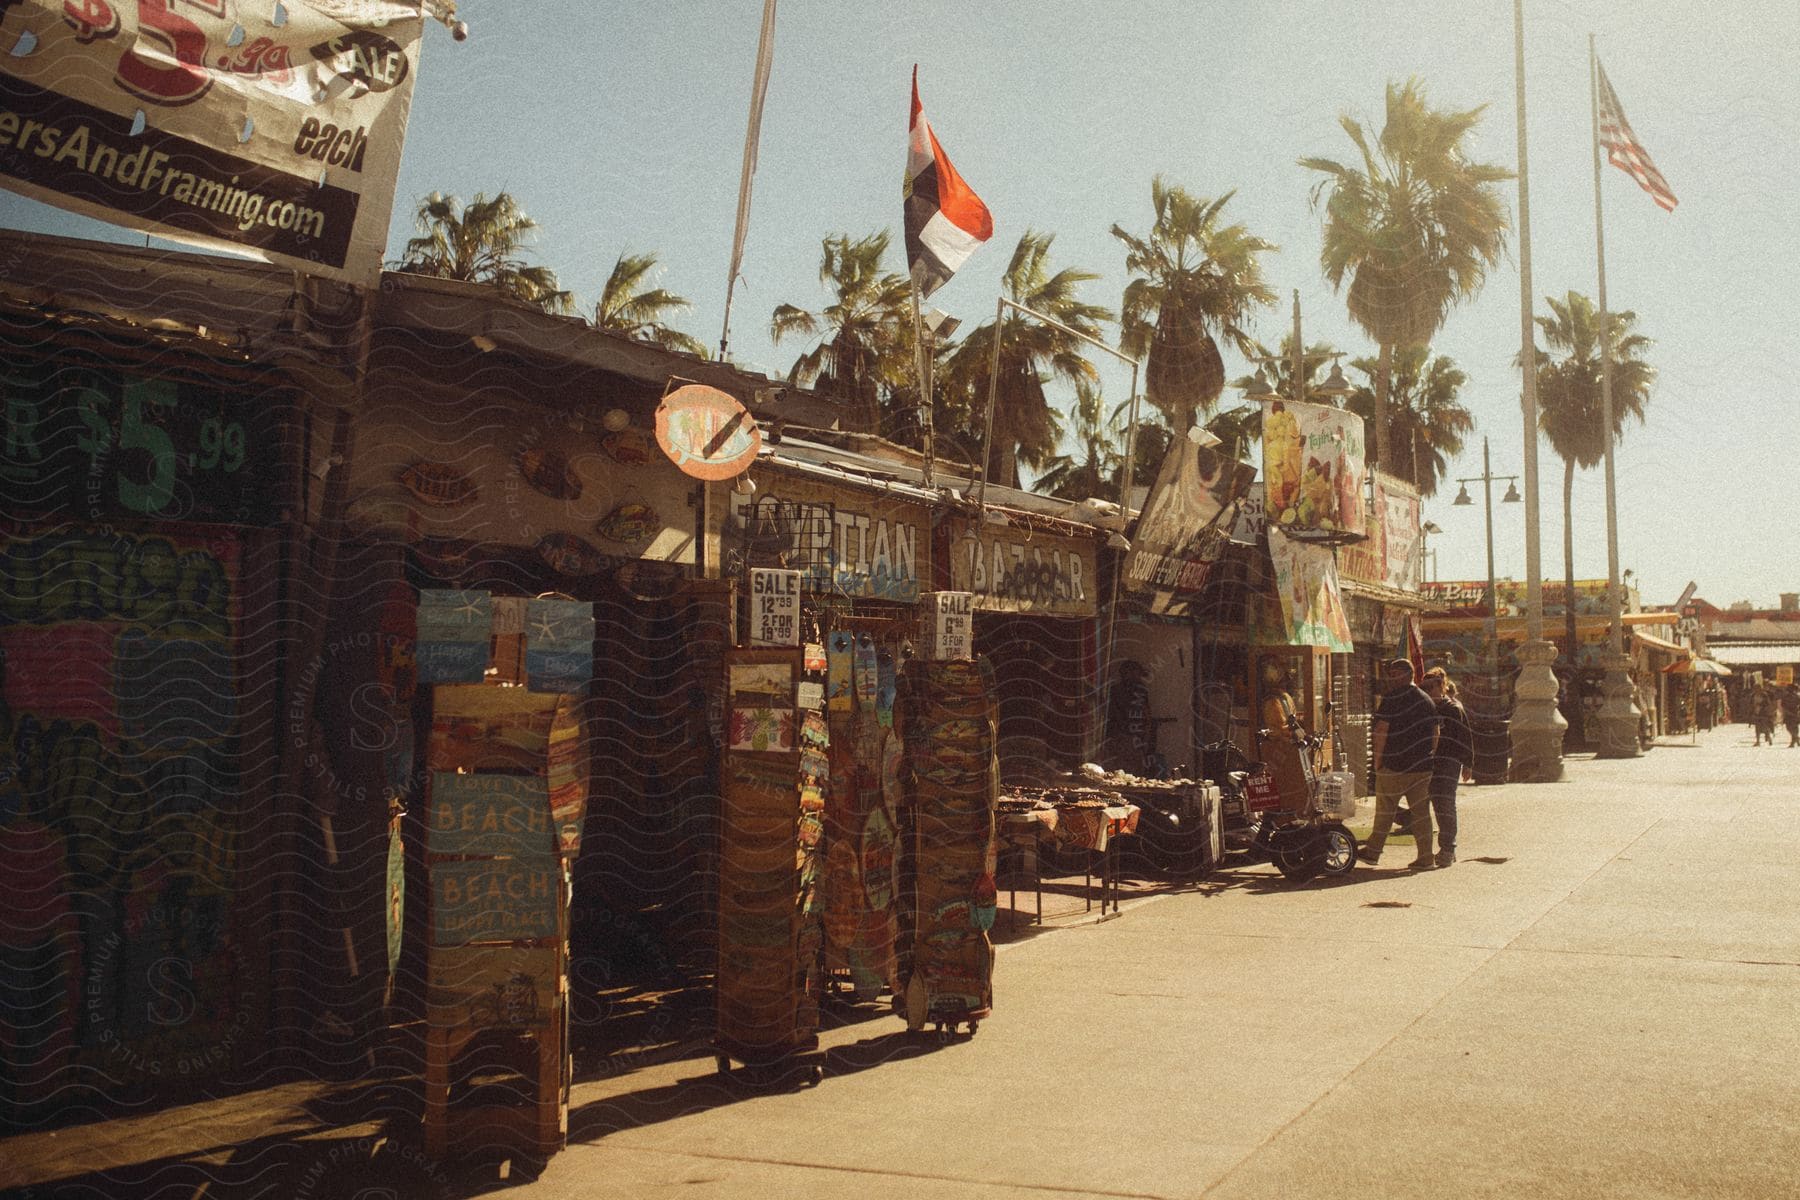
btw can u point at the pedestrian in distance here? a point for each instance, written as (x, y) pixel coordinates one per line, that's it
(1790, 714)
(1406, 738)
(1455, 756)
(1762, 714)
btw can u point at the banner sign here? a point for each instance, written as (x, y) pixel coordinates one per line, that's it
(1312, 607)
(1022, 570)
(1249, 520)
(1389, 557)
(272, 129)
(1175, 542)
(1313, 470)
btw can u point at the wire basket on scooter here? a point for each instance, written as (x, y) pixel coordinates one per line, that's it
(1335, 795)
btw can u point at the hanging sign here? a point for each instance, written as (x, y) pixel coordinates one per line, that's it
(1312, 607)
(494, 899)
(774, 607)
(486, 813)
(1313, 470)
(1177, 541)
(949, 619)
(271, 129)
(454, 636)
(706, 433)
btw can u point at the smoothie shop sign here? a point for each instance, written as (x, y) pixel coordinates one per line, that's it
(269, 129)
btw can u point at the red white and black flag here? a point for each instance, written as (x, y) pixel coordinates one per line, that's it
(1623, 150)
(945, 219)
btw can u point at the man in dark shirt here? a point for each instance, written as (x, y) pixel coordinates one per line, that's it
(1406, 734)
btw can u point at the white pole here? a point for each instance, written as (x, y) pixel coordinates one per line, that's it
(1537, 727)
(1618, 713)
(759, 88)
(927, 429)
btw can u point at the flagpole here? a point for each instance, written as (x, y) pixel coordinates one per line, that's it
(1536, 728)
(1618, 712)
(759, 88)
(927, 427)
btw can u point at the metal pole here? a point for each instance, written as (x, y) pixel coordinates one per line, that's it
(923, 362)
(1299, 355)
(987, 437)
(1619, 715)
(1537, 727)
(1493, 629)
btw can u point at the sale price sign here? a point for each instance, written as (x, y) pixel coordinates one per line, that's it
(774, 607)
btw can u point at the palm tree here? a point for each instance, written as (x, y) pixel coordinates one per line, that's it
(1569, 400)
(1095, 471)
(1425, 414)
(1192, 276)
(1238, 429)
(1415, 227)
(627, 307)
(481, 243)
(864, 334)
(1026, 429)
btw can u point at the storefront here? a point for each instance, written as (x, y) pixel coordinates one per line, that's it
(147, 477)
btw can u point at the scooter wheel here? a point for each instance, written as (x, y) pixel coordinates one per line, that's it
(1298, 855)
(1340, 849)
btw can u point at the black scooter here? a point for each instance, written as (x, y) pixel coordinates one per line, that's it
(1302, 846)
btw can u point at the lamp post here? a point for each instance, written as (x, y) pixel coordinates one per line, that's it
(1427, 531)
(1262, 388)
(1486, 479)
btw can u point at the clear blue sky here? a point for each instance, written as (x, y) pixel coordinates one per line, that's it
(621, 127)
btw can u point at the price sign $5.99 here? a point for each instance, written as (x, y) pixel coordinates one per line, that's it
(143, 410)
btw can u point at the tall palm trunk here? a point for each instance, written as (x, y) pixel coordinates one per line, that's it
(1384, 373)
(1572, 700)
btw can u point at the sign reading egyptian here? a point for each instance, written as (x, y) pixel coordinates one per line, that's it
(1022, 570)
(1313, 470)
(271, 129)
(843, 543)
(1176, 540)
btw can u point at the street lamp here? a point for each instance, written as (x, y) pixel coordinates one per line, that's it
(1263, 387)
(1426, 554)
(1486, 479)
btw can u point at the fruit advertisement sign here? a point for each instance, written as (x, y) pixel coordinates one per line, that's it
(1313, 471)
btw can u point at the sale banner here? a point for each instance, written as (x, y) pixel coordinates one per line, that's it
(268, 129)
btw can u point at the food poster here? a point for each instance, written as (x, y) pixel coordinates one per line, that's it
(949, 727)
(1312, 606)
(1313, 469)
(861, 915)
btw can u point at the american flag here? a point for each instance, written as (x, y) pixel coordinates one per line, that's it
(1624, 151)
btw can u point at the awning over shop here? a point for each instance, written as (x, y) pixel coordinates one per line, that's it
(1655, 643)
(1756, 654)
(1696, 666)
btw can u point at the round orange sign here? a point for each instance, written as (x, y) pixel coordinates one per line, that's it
(706, 433)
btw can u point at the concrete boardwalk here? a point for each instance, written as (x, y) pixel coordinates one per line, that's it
(1601, 999)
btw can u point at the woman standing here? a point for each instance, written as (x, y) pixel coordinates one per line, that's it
(1455, 756)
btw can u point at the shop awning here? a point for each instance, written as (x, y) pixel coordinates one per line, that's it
(1696, 666)
(1755, 654)
(1658, 644)
(1395, 597)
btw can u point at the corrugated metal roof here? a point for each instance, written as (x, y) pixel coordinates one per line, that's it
(1753, 654)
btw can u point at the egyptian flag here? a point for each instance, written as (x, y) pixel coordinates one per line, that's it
(945, 220)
